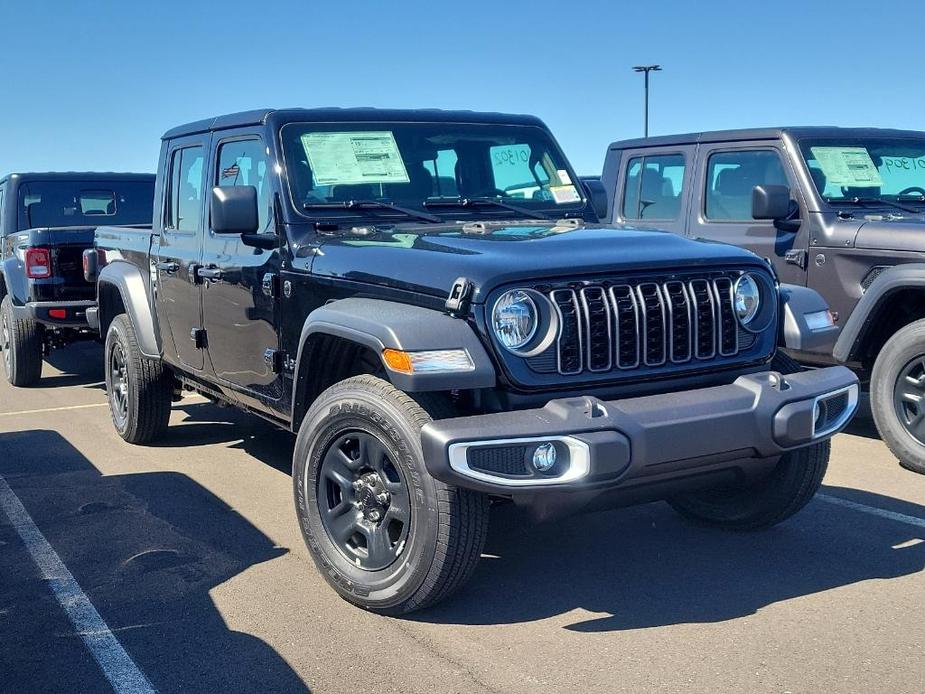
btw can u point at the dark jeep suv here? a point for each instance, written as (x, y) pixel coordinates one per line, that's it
(427, 299)
(840, 210)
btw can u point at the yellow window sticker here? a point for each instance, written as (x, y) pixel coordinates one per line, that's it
(354, 157)
(850, 167)
(564, 194)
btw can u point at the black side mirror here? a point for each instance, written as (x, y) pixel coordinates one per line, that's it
(770, 202)
(234, 210)
(598, 196)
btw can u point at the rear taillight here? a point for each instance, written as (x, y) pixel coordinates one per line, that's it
(38, 263)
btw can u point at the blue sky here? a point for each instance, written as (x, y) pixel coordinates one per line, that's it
(93, 85)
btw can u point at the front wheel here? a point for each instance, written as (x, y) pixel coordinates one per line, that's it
(786, 490)
(140, 390)
(897, 395)
(21, 344)
(385, 534)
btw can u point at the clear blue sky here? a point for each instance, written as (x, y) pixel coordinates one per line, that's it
(92, 85)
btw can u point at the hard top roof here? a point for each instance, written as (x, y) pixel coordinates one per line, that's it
(76, 176)
(260, 116)
(797, 132)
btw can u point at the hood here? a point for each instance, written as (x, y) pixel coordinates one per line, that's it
(893, 234)
(430, 258)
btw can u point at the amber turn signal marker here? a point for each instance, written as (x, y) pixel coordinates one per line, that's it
(398, 360)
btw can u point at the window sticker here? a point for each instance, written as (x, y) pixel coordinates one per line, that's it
(354, 157)
(564, 178)
(564, 194)
(850, 167)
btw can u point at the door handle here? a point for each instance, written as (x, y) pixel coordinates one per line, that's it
(213, 274)
(168, 266)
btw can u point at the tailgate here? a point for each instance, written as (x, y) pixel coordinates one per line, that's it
(67, 282)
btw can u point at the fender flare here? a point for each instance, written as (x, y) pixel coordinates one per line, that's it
(796, 334)
(859, 323)
(379, 325)
(132, 287)
(10, 269)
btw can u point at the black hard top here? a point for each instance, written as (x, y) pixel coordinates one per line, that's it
(77, 176)
(279, 116)
(797, 132)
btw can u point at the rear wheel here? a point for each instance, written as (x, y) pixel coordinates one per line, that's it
(897, 395)
(384, 534)
(21, 343)
(789, 487)
(140, 390)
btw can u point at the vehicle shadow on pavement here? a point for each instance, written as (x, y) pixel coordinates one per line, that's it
(80, 364)
(146, 548)
(646, 567)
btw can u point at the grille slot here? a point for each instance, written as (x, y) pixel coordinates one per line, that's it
(649, 323)
(597, 329)
(507, 460)
(570, 342)
(728, 326)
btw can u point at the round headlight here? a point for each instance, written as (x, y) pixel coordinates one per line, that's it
(514, 319)
(747, 299)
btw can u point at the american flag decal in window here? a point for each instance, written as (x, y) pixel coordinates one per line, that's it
(231, 172)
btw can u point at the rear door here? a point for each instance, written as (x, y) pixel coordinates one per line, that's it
(240, 300)
(653, 188)
(179, 250)
(726, 175)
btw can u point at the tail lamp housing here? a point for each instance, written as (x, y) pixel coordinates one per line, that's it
(38, 263)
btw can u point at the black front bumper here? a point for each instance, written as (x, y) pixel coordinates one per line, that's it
(669, 442)
(74, 313)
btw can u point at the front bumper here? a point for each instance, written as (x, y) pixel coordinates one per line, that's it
(665, 443)
(59, 314)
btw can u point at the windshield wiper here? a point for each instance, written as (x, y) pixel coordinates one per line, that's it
(371, 205)
(878, 201)
(487, 202)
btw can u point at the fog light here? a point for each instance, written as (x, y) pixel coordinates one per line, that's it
(544, 457)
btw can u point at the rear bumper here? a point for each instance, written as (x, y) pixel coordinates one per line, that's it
(47, 312)
(663, 440)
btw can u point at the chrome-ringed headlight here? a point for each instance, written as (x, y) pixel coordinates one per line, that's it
(523, 322)
(746, 298)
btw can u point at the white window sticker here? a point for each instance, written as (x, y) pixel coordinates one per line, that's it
(564, 178)
(354, 157)
(850, 167)
(564, 194)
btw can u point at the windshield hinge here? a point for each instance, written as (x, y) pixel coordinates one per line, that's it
(457, 303)
(270, 285)
(796, 257)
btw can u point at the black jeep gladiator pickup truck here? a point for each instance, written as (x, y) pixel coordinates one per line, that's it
(427, 299)
(46, 223)
(840, 210)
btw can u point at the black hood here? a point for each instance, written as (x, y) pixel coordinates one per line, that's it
(428, 259)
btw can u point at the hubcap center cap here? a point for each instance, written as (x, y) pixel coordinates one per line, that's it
(372, 498)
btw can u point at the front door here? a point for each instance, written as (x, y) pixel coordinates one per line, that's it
(723, 212)
(180, 248)
(240, 306)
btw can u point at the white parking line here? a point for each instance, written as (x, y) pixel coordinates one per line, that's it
(54, 409)
(873, 510)
(117, 666)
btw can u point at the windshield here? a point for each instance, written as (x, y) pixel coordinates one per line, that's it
(846, 169)
(84, 203)
(427, 167)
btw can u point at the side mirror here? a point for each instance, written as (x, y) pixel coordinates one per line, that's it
(598, 196)
(770, 202)
(234, 210)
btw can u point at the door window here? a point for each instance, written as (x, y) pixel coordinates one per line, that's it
(653, 187)
(184, 200)
(244, 163)
(731, 176)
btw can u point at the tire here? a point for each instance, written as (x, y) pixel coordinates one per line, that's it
(896, 418)
(396, 562)
(21, 343)
(788, 488)
(140, 390)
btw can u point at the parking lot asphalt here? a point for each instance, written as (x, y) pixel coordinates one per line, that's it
(189, 554)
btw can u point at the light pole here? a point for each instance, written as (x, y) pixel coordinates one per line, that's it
(646, 69)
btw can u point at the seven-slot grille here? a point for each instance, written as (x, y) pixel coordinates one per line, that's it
(647, 323)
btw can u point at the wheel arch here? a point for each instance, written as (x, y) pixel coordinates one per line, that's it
(121, 288)
(888, 305)
(347, 337)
